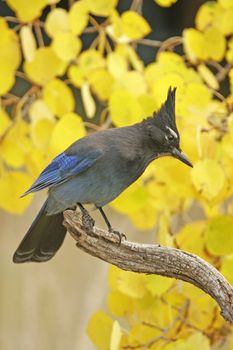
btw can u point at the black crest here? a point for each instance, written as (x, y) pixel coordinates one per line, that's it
(165, 117)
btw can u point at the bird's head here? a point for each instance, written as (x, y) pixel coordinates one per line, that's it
(163, 131)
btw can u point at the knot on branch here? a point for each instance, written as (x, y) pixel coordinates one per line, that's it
(150, 259)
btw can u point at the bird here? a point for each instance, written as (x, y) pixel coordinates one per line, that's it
(94, 170)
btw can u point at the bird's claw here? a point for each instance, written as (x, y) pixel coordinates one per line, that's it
(119, 235)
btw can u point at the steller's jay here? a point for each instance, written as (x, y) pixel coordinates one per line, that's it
(96, 169)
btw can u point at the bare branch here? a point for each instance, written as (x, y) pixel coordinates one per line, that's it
(150, 259)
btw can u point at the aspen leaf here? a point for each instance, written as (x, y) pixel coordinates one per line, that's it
(66, 46)
(208, 76)
(12, 185)
(134, 83)
(208, 178)
(99, 329)
(117, 65)
(195, 341)
(10, 50)
(158, 285)
(88, 100)
(78, 17)
(90, 60)
(57, 21)
(58, 97)
(76, 76)
(218, 235)
(101, 83)
(134, 26)
(12, 152)
(132, 284)
(67, 130)
(207, 14)
(39, 109)
(45, 66)
(7, 78)
(28, 43)
(227, 268)
(119, 304)
(124, 108)
(41, 130)
(27, 12)
(116, 336)
(5, 121)
(165, 3)
(101, 7)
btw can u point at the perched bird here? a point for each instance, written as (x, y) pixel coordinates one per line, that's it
(96, 169)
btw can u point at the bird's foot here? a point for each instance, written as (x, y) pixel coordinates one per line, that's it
(119, 234)
(87, 221)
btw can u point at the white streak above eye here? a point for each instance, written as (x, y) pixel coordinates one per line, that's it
(172, 132)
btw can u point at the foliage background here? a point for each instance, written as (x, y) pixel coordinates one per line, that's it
(71, 68)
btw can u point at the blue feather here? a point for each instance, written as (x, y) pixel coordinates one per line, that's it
(61, 168)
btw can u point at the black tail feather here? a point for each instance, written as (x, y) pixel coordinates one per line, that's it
(43, 239)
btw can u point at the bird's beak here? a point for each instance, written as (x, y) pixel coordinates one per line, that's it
(181, 156)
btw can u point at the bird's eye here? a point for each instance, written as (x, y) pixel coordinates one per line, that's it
(170, 137)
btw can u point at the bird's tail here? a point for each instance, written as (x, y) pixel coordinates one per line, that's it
(43, 239)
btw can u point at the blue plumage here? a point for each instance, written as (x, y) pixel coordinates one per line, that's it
(60, 169)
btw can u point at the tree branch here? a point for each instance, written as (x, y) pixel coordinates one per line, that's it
(150, 259)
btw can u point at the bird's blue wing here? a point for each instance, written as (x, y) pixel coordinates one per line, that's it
(63, 167)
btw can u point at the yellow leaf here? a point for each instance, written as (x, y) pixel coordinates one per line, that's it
(208, 76)
(78, 17)
(101, 83)
(124, 108)
(229, 54)
(218, 235)
(25, 12)
(194, 45)
(10, 50)
(90, 60)
(101, 7)
(76, 76)
(7, 78)
(28, 43)
(226, 3)
(134, 83)
(206, 14)
(99, 329)
(38, 109)
(88, 100)
(208, 45)
(5, 121)
(12, 185)
(120, 304)
(58, 97)
(191, 238)
(40, 131)
(57, 21)
(134, 26)
(12, 152)
(132, 284)
(132, 199)
(117, 65)
(165, 3)
(116, 336)
(158, 285)
(215, 44)
(66, 46)
(227, 268)
(67, 130)
(196, 341)
(148, 104)
(45, 66)
(208, 178)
